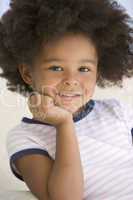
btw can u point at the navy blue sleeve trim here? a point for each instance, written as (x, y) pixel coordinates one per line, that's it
(23, 153)
(34, 121)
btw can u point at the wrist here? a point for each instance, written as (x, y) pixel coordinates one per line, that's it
(67, 121)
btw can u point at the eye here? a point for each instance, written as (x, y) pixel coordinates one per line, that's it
(55, 68)
(84, 69)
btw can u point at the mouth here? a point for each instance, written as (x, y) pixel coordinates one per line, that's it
(69, 97)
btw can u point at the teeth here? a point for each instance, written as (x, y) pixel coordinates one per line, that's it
(70, 95)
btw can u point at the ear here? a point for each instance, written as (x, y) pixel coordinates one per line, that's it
(25, 73)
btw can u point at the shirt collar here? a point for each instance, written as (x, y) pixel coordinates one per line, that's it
(87, 108)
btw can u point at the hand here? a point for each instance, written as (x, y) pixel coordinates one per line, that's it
(45, 108)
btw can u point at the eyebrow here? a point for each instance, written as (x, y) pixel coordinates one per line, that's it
(61, 60)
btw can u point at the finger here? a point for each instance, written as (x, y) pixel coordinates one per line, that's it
(49, 91)
(57, 100)
(46, 101)
(39, 105)
(34, 100)
(34, 104)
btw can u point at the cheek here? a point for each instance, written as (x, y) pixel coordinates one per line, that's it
(42, 81)
(89, 88)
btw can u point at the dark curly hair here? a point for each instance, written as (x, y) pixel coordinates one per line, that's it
(29, 23)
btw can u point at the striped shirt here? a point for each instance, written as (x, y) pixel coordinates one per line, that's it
(104, 131)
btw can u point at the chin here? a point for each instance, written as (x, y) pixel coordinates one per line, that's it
(73, 107)
(74, 111)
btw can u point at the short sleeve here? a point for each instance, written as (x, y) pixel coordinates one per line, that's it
(21, 142)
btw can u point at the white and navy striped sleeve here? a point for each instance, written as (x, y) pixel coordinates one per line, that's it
(22, 141)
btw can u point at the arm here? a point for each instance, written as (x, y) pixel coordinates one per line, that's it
(35, 170)
(66, 179)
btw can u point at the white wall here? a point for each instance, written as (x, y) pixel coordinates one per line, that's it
(128, 4)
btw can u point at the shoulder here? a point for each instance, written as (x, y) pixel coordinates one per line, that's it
(115, 104)
(107, 102)
(30, 131)
(115, 108)
(27, 124)
(108, 108)
(112, 104)
(107, 105)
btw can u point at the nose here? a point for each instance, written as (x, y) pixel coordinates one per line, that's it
(70, 79)
(70, 82)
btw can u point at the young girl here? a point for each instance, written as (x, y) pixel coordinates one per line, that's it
(56, 51)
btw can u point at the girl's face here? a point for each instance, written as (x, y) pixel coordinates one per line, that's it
(67, 66)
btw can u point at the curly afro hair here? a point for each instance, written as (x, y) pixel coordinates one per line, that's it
(29, 23)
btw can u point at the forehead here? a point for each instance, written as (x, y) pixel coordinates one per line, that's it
(70, 47)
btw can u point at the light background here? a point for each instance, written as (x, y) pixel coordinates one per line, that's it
(13, 107)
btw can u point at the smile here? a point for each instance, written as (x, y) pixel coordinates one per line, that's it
(70, 97)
